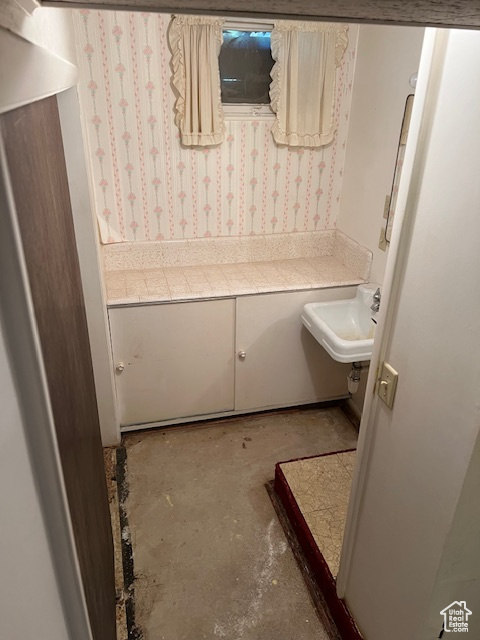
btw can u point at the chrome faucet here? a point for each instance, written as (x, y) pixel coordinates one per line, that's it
(376, 300)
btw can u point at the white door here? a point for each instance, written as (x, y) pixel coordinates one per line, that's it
(177, 359)
(412, 537)
(283, 363)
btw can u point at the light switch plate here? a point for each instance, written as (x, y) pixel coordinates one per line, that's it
(387, 384)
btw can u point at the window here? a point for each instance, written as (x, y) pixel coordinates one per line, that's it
(245, 64)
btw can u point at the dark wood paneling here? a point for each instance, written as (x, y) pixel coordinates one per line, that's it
(36, 164)
(435, 13)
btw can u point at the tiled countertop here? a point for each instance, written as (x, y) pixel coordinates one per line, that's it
(231, 279)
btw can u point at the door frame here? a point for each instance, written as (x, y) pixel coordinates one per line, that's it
(24, 350)
(425, 95)
(429, 77)
(48, 75)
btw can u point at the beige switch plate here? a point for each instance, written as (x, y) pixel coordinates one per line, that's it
(387, 384)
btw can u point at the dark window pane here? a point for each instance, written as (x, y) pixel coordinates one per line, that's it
(245, 65)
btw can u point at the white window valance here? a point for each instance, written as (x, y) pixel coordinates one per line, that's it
(195, 43)
(302, 92)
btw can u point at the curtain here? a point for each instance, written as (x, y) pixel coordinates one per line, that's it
(195, 42)
(302, 92)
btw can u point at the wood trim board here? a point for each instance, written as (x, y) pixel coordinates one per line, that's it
(431, 13)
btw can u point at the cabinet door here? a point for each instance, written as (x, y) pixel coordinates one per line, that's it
(178, 360)
(283, 363)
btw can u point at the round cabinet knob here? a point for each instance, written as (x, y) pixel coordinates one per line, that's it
(242, 355)
(120, 367)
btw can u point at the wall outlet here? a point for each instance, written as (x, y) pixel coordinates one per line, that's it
(382, 243)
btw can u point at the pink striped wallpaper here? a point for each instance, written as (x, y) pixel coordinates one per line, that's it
(148, 187)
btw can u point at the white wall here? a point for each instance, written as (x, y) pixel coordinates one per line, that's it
(30, 605)
(412, 509)
(386, 58)
(55, 27)
(52, 29)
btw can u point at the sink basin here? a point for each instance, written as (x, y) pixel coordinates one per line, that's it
(344, 328)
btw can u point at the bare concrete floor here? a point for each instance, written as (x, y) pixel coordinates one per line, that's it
(211, 560)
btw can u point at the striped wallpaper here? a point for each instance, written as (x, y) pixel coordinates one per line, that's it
(148, 187)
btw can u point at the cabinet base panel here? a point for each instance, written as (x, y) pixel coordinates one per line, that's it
(226, 414)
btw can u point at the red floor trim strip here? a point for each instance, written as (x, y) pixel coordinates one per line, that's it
(326, 582)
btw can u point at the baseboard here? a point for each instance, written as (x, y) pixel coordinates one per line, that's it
(331, 401)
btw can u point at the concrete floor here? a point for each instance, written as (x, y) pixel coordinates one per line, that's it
(211, 560)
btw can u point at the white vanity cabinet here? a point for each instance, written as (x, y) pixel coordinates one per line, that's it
(173, 360)
(279, 363)
(185, 359)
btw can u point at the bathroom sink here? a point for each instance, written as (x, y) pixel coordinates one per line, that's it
(344, 328)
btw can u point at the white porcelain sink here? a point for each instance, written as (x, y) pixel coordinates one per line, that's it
(344, 328)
